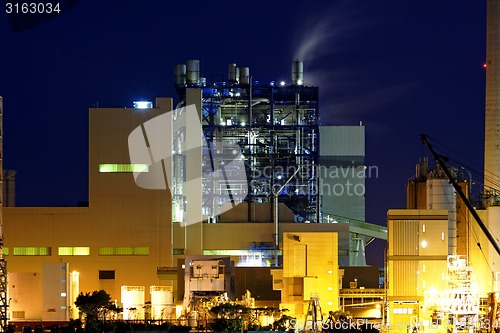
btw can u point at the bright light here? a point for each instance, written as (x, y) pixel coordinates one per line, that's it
(424, 244)
(282, 83)
(330, 272)
(242, 123)
(330, 288)
(63, 294)
(143, 105)
(299, 82)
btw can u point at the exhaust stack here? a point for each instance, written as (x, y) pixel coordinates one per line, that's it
(297, 73)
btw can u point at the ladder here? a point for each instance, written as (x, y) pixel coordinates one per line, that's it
(314, 316)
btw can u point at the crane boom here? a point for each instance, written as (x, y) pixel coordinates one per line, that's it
(458, 188)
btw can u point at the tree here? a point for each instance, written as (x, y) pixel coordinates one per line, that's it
(95, 306)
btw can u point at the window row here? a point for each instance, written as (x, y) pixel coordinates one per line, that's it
(77, 251)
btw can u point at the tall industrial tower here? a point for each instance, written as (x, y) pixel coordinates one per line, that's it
(492, 114)
(3, 264)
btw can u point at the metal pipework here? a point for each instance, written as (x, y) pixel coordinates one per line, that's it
(297, 73)
(276, 214)
(193, 72)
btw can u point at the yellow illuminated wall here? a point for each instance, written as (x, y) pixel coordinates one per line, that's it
(417, 262)
(310, 269)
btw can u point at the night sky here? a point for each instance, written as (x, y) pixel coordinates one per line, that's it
(401, 67)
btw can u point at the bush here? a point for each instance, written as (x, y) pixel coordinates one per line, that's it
(227, 325)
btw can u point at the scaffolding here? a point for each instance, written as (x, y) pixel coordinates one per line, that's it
(276, 129)
(314, 316)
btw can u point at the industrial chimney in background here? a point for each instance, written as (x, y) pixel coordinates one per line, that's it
(4, 303)
(492, 114)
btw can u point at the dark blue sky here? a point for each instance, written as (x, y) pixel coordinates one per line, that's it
(401, 67)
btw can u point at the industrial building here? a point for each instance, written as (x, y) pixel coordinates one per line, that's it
(134, 241)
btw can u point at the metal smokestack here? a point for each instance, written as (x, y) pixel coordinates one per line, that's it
(244, 75)
(193, 72)
(297, 73)
(179, 75)
(233, 73)
(492, 114)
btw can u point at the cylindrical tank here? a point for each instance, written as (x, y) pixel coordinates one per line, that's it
(193, 72)
(180, 75)
(441, 195)
(244, 75)
(233, 73)
(297, 73)
(162, 302)
(193, 319)
(133, 302)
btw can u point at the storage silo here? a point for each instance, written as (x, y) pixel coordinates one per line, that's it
(133, 302)
(441, 195)
(162, 302)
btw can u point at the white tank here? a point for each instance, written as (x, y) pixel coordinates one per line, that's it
(441, 195)
(162, 302)
(193, 319)
(133, 302)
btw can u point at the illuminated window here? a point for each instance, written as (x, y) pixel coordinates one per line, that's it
(143, 105)
(442, 236)
(123, 168)
(107, 251)
(177, 251)
(5, 251)
(141, 251)
(124, 251)
(423, 227)
(32, 251)
(73, 251)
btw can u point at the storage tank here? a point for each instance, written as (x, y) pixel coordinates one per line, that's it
(193, 72)
(441, 195)
(162, 302)
(193, 319)
(133, 302)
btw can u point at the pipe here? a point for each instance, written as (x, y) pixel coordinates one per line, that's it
(276, 213)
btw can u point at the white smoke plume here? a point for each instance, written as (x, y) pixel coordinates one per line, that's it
(324, 36)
